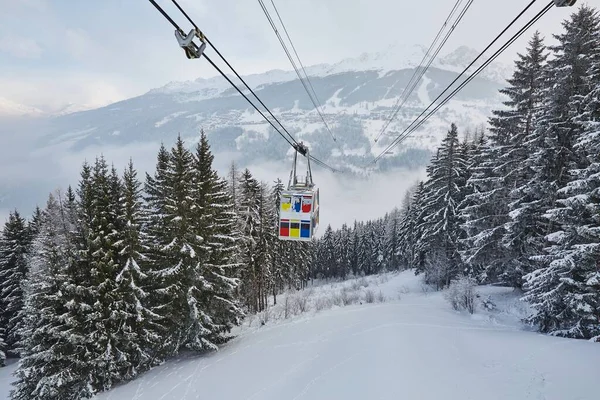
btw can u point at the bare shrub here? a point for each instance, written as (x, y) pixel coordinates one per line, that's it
(287, 306)
(349, 296)
(264, 316)
(369, 296)
(403, 289)
(301, 302)
(337, 300)
(426, 288)
(380, 297)
(383, 279)
(323, 303)
(462, 294)
(357, 284)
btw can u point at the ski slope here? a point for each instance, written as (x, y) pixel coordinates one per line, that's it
(412, 346)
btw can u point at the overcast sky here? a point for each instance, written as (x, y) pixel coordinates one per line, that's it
(54, 52)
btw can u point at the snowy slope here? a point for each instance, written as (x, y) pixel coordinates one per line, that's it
(412, 347)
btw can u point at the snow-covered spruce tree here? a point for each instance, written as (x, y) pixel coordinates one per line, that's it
(14, 244)
(2, 347)
(280, 266)
(327, 251)
(107, 356)
(251, 255)
(34, 223)
(178, 292)
(483, 213)
(408, 231)
(552, 152)
(161, 282)
(497, 169)
(216, 223)
(392, 241)
(343, 251)
(138, 332)
(565, 291)
(440, 227)
(354, 249)
(52, 364)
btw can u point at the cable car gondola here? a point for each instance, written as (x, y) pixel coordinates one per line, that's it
(299, 204)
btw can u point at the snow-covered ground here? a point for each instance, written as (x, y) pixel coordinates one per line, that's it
(411, 346)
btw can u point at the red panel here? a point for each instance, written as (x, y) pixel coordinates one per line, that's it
(284, 228)
(306, 204)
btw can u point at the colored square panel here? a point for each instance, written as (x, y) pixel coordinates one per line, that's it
(305, 229)
(297, 203)
(286, 203)
(295, 229)
(284, 228)
(306, 204)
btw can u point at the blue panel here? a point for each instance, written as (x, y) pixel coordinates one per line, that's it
(305, 229)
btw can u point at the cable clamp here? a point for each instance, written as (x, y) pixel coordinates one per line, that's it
(186, 42)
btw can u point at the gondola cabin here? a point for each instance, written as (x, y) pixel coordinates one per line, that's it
(299, 214)
(299, 204)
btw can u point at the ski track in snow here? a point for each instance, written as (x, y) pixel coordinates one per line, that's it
(415, 347)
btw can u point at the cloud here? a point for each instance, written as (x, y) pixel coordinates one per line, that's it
(54, 91)
(20, 47)
(79, 45)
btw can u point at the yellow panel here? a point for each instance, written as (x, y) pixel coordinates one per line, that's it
(294, 232)
(286, 203)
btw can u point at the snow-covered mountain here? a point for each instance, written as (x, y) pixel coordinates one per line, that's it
(357, 94)
(10, 108)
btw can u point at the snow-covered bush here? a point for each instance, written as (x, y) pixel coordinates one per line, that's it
(264, 316)
(323, 303)
(337, 300)
(349, 296)
(301, 301)
(369, 296)
(287, 306)
(380, 297)
(462, 294)
(362, 282)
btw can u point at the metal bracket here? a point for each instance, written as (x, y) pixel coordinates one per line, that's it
(301, 148)
(186, 42)
(564, 3)
(293, 182)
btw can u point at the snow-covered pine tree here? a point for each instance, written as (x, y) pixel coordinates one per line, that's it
(407, 230)
(52, 364)
(107, 358)
(440, 227)
(392, 241)
(565, 291)
(177, 265)
(250, 221)
(216, 223)
(484, 212)
(161, 280)
(521, 165)
(343, 247)
(280, 265)
(367, 248)
(2, 345)
(138, 334)
(354, 247)
(328, 254)
(34, 223)
(14, 244)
